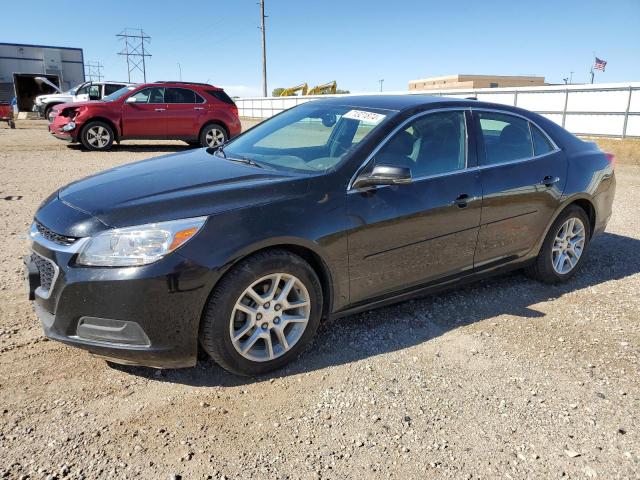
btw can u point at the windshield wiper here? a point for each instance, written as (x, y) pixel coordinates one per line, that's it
(244, 160)
(247, 161)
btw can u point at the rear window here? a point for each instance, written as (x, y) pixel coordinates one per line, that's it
(541, 144)
(220, 95)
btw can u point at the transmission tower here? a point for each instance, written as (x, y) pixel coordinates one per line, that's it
(135, 41)
(93, 70)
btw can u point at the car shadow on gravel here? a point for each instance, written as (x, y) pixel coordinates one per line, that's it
(139, 148)
(400, 326)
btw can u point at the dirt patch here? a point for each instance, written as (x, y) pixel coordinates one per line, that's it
(627, 150)
(507, 378)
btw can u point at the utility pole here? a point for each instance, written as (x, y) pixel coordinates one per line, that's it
(570, 78)
(180, 71)
(264, 49)
(134, 44)
(94, 70)
(381, 82)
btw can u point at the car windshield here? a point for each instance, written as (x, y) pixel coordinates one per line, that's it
(309, 138)
(117, 94)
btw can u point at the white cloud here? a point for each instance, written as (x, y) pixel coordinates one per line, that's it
(242, 90)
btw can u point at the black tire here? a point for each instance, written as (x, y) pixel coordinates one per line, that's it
(215, 336)
(221, 134)
(87, 142)
(542, 268)
(47, 112)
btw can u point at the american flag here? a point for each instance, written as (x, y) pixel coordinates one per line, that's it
(600, 64)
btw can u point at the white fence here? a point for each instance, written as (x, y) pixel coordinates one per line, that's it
(606, 109)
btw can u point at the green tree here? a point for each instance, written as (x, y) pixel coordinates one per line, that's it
(276, 92)
(342, 91)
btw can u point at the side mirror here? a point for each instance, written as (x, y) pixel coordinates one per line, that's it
(384, 175)
(131, 100)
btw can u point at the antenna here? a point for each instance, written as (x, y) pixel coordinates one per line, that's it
(94, 70)
(134, 50)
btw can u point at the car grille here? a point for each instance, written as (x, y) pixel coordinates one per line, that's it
(46, 269)
(53, 236)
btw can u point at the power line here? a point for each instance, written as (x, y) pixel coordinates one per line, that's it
(134, 50)
(93, 70)
(264, 49)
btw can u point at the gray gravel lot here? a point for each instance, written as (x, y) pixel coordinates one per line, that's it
(507, 378)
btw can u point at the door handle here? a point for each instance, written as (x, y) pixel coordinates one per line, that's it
(549, 180)
(160, 109)
(198, 108)
(463, 200)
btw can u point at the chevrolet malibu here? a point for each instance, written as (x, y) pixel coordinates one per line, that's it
(329, 208)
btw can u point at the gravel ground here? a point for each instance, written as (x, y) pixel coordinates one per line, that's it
(507, 378)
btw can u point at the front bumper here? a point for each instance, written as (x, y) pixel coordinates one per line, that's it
(145, 315)
(56, 129)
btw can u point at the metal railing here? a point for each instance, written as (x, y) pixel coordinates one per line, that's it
(611, 110)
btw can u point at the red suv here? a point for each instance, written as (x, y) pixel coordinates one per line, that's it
(197, 113)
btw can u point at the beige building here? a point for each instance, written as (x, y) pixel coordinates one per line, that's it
(474, 81)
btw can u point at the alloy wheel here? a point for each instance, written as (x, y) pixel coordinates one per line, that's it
(568, 246)
(98, 136)
(214, 137)
(270, 317)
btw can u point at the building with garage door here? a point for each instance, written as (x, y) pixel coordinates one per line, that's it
(20, 64)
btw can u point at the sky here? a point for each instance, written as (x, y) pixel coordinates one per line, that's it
(355, 42)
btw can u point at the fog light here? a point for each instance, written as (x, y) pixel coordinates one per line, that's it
(69, 126)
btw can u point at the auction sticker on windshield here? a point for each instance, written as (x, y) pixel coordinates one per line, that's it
(364, 117)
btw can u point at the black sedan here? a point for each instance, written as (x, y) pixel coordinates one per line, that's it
(329, 208)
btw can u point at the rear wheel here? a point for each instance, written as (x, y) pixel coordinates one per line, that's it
(263, 313)
(97, 136)
(564, 247)
(213, 135)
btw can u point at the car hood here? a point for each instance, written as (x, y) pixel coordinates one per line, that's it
(54, 96)
(190, 184)
(71, 103)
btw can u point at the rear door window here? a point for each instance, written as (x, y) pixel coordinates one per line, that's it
(180, 95)
(110, 88)
(506, 137)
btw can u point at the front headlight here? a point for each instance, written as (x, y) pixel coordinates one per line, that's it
(139, 245)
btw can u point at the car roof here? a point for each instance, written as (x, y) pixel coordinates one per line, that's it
(176, 83)
(393, 102)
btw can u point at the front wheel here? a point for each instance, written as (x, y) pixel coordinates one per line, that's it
(564, 247)
(213, 135)
(262, 314)
(97, 136)
(49, 114)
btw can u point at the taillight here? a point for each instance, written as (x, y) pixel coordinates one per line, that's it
(611, 157)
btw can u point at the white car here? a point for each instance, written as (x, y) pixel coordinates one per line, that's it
(85, 91)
